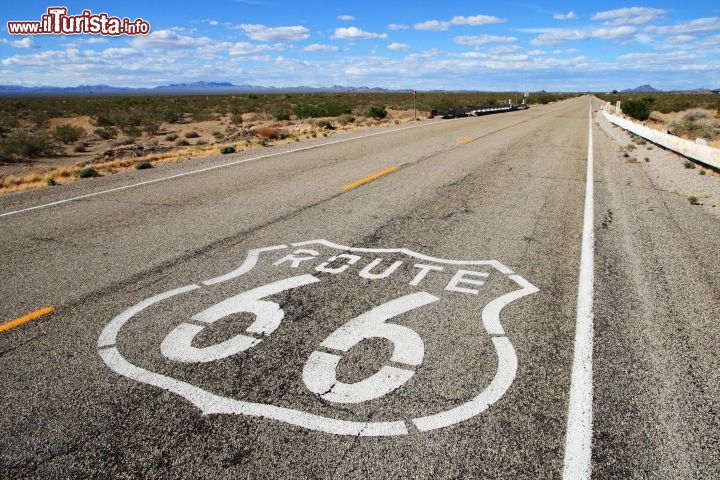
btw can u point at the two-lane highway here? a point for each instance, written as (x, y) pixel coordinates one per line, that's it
(394, 304)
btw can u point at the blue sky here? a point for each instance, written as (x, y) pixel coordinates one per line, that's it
(477, 45)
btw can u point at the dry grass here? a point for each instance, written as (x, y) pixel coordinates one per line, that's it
(39, 178)
(269, 131)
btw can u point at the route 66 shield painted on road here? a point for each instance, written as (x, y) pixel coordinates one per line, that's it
(295, 316)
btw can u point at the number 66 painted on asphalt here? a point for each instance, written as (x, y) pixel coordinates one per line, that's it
(320, 371)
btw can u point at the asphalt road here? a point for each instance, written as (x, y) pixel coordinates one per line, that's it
(418, 325)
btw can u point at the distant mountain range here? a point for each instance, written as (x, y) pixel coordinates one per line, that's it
(651, 89)
(229, 88)
(195, 87)
(641, 89)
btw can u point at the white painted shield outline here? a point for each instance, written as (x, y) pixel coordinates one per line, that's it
(210, 403)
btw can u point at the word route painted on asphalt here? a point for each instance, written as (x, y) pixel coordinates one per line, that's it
(337, 339)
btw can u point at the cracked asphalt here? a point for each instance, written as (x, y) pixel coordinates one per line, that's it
(80, 402)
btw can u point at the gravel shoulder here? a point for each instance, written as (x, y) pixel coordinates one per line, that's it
(665, 169)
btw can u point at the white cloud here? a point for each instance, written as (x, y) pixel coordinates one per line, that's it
(500, 49)
(264, 33)
(432, 25)
(477, 20)
(397, 26)
(566, 16)
(95, 40)
(482, 39)
(398, 46)
(679, 40)
(568, 51)
(316, 47)
(699, 25)
(214, 23)
(119, 52)
(672, 59)
(354, 33)
(26, 42)
(246, 48)
(346, 18)
(712, 41)
(615, 33)
(632, 15)
(558, 36)
(168, 39)
(441, 25)
(424, 56)
(53, 59)
(644, 39)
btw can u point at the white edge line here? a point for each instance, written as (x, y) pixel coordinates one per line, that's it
(207, 169)
(577, 463)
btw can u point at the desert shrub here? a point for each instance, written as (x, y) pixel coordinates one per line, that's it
(228, 149)
(50, 182)
(143, 165)
(103, 121)
(87, 172)
(171, 137)
(376, 112)
(543, 98)
(22, 144)
(689, 165)
(150, 125)
(695, 115)
(182, 143)
(325, 124)
(80, 148)
(7, 123)
(345, 119)
(131, 130)
(282, 114)
(704, 128)
(268, 132)
(200, 114)
(637, 109)
(68, 134)
(106, 133)
(236, 118)
(329, 109)
(191, 134)
(218, 135)
(201, 142)
(172, 116)
(122, 141)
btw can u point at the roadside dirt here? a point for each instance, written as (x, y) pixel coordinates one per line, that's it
(175, 143)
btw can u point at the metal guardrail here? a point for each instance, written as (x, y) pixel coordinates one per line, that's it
(702, 153)
(478, 110)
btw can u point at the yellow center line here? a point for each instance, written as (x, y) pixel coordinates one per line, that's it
(26, 318)
(370, 178)
(465, 140)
